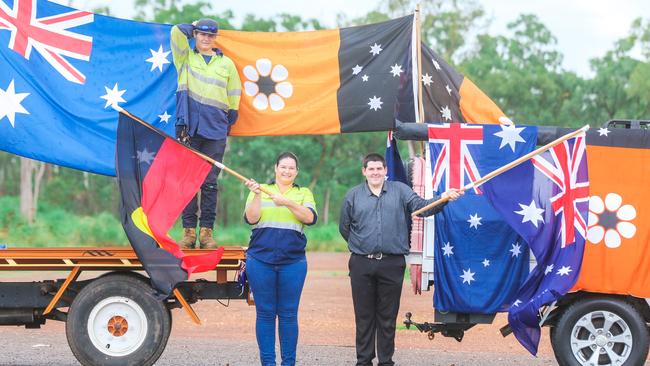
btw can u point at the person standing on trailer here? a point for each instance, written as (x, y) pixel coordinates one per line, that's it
(207, 104)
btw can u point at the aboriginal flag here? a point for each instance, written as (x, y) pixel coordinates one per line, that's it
(322, 82)
(158, 177)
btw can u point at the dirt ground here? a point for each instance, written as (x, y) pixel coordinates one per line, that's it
(326, 331)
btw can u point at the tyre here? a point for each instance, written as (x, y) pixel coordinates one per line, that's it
(116, 320)
(600, 331)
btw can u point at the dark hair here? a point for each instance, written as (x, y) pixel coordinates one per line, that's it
(373, 157)
(287, 154)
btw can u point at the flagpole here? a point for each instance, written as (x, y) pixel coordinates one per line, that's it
(205, 157)
(507, 167)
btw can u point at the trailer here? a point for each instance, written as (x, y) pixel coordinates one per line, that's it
(595, 324)
(114, 318)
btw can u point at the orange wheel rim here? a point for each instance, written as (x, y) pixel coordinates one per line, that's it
(117, 326)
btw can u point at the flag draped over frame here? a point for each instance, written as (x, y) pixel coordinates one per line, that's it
(546, 201)
(68, 70)
(480, 261)
(157, 178)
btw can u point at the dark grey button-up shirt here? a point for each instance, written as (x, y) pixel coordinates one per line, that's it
(372, 224)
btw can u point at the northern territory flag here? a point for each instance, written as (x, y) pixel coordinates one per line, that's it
(158, 177)
(323, 82)
(617, 252)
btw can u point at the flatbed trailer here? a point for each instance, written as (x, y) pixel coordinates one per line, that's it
(114, 318)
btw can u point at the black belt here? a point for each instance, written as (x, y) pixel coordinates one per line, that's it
(378, 256)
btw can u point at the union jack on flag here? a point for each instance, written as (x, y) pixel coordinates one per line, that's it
(449, 143)
(49, 35)
(573, 189)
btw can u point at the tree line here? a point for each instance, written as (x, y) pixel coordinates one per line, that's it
(521, 72)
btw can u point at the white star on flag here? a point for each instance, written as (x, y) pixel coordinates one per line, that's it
(10, 103)
(427, 79)
(603, 131)
(396, 70)
(448, 89)
(548, 269)
(516, 303)
(158, 58)
(468, 276)
(564, 271)
(509, 135)
(448, 250)
(357, 69)
(530, 213)
(486, 262)
(364, 77)
(474, 221)
(375, 49)
(435, 64)
(516, 250)
(446, 113)
(375, 102)
(145, 156)
(164, 117)
(113, 97)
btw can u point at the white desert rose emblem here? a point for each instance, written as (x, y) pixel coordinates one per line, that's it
(267, 84)
(610, 220)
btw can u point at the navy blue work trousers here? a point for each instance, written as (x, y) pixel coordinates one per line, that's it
(208, 199)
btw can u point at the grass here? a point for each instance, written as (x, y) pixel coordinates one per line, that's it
(55, 227)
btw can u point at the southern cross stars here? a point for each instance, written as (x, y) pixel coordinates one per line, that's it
(530, 213)
(158, 58)
(357, 69)
(145, 156)
(474, 221)
(396, 70)
(486, 262)
(113, 97)
(447, 250)
(10, 103)
(603, 131)
(427, 79)
(375, 49)
(446, 113)
(509, 135)
(375, 103)
(164, 118)
(435, 64)
(468, 276)
(364, 77)
(516, 250)
(564, 271)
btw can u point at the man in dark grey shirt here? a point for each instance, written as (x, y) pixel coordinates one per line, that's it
(374, 222)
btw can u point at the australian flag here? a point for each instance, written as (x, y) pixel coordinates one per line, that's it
(64, 74)
(480, 261)
(394, 166)
(546, 200)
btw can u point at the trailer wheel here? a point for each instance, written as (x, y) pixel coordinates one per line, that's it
(116, 320)
(603, 331)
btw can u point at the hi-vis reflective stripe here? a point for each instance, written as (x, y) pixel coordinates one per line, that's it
(234, 92)
(205, 79)
(310, 205)
(180, 51)
(272, 204)
(279, 225)
(207, 101)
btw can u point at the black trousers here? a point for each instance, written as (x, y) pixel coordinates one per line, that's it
(376, 289)
(214, 149)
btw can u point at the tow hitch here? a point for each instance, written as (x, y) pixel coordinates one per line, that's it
(453, 330)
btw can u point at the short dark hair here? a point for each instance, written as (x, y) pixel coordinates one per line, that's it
(373, 157)
(284, 155)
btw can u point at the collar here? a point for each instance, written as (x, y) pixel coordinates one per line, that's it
(367, 190)
(294, 185)
(216, 50)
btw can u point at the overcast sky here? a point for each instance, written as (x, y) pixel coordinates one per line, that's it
(584, 28)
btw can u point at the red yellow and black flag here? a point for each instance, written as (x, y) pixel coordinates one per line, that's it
(323, 82)
(158, 177)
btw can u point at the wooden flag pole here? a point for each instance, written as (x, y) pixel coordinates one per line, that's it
(205, 157)
(507, 167)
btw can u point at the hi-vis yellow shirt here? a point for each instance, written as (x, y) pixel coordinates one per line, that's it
(278, 237)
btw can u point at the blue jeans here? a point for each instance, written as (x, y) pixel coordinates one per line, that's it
(276, 289)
